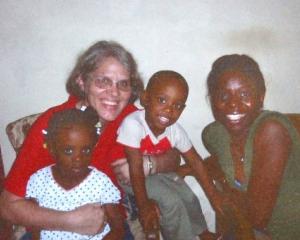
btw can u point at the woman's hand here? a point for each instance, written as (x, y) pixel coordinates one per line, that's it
(121, 170)
(87, 219)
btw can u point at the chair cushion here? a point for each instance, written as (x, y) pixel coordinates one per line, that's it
(1, 171)
(17, 130)
(295, 119)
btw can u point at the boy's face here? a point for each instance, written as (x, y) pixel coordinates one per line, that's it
(236, 101)
(72, 149)
(164, 103)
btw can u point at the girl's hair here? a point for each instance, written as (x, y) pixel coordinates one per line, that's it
(238, 63)
(69, 117)
(90, 60)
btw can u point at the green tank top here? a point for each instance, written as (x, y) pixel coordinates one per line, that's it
(285, 221)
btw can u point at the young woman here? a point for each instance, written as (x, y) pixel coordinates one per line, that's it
(257, 153)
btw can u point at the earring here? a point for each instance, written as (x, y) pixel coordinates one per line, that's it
(83, 108)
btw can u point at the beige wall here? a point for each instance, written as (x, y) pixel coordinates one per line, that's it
(40, 40)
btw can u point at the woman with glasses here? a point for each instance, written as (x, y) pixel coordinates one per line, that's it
(105, 77)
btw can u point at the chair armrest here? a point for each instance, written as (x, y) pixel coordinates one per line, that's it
(17, 130)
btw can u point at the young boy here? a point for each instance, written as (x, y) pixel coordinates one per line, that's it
(155, 130)
(71, 182)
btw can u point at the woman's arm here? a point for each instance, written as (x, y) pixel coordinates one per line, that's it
(272, 146)
(87, 219)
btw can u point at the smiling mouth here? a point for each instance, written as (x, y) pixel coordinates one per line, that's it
(110, 103)
(164, 120)
(235, 117)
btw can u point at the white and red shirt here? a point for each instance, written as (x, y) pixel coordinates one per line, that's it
(135, 132)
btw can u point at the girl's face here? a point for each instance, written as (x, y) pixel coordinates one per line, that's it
(72, 149)
(164, 103)
(108, 90)
(236, 101)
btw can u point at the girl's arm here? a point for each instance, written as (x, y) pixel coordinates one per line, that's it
(272, 146)
(116, 222)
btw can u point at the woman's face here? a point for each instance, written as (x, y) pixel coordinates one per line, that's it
(108, 101)
(236, 101)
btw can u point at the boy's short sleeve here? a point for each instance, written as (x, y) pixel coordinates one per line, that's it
(130, 133)
(182, 140)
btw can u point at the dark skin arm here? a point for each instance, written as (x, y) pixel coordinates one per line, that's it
(194, 160)
(213, 169)
(184, 170)
(114, 218)
(116, 222)
(167, 162)
(271, 149)
(272, 146)
(148, 209)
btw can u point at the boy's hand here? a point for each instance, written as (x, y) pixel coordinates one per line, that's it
(218, 203)
(149, 217)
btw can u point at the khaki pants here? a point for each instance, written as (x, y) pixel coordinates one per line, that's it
(181, 213)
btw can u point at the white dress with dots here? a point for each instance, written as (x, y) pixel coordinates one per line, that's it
(95, 188)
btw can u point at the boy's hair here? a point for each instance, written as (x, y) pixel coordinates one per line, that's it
(160, 75)
(92, 58)
(88, 117)
(235, 62)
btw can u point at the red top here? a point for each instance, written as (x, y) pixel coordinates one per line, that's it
(33, 156)
(149, 148)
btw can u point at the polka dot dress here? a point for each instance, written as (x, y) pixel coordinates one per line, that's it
(95, 188)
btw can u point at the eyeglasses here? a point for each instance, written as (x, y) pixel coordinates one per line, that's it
(106, 83)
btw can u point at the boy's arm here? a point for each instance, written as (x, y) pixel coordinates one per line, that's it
(148, 210)
(166, 162)
(194, 160)
(116, 222)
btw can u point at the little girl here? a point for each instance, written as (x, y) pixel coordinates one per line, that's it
(71, 137)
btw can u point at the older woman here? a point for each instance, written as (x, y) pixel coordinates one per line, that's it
(106, 78)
